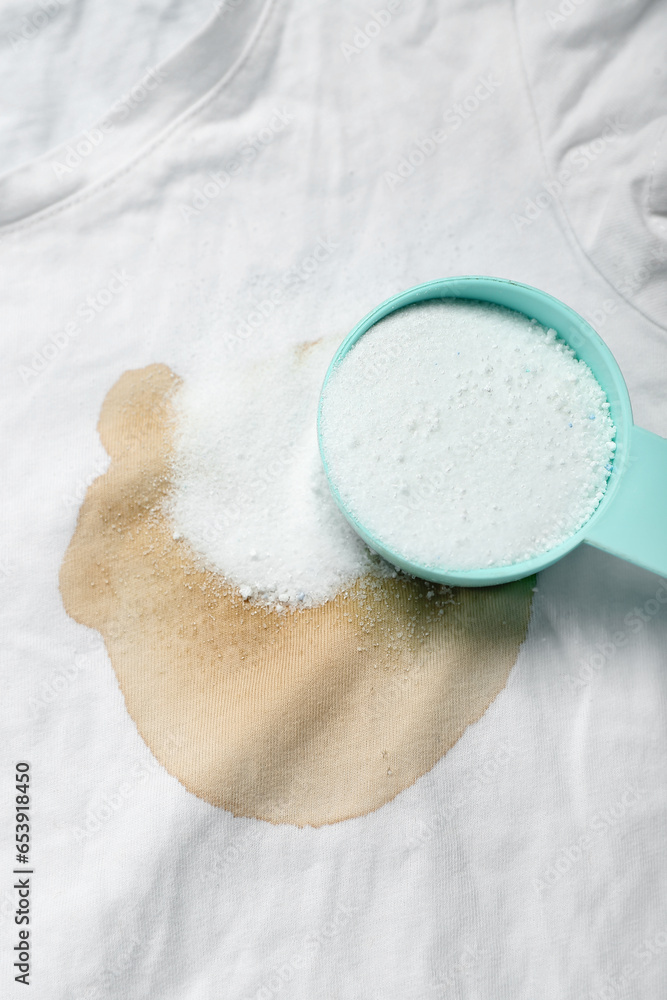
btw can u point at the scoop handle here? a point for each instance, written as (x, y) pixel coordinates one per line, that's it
(634, 526)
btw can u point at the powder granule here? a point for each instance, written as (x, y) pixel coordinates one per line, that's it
(464, 435)
(249, 492)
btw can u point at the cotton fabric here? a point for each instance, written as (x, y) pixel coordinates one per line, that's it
(426, 140)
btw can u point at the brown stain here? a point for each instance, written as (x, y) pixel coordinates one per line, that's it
(302, 350)
(304, 718)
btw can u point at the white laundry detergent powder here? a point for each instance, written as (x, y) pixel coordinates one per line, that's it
(250, 495)
(464, 435)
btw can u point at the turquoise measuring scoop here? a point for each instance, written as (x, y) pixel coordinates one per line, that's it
(631, 519)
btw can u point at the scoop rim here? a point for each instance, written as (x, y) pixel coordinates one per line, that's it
(496, 290)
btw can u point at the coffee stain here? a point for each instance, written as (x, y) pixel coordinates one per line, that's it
(308, 717)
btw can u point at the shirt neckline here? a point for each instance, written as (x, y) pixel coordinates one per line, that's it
(138, 120)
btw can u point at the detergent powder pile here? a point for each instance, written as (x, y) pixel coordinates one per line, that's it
(464, 435)
(249, 491)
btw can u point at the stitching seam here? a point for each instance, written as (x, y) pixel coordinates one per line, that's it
(570, 230)
(97, 187)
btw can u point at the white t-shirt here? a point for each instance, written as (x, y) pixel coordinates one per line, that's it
(390, 145)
